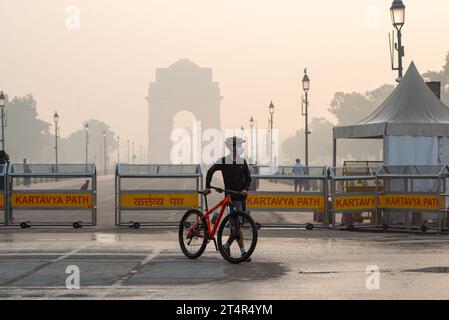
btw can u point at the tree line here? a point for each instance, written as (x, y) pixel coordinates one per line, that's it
(28, 137)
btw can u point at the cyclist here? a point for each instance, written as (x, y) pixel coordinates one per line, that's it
(236, 177)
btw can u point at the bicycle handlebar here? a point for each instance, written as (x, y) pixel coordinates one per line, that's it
(221, 190)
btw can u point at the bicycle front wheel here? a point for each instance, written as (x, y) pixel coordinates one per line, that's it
(239, 231)
(193, 234)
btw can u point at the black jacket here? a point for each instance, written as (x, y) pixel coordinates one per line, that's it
(236, 175)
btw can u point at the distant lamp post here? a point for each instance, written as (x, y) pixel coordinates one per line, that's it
(134, 154)
(398, 19)
(118, 149)
(2, 106)
(104, 152)
(141, 153)
(128, 150)
(86, 130)
(271, 111)
(56, 120)
(305, 112)
(251, 124)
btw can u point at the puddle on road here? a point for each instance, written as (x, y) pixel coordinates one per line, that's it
(254, 271)
(430, 270)
(166, 271)
(106, 238)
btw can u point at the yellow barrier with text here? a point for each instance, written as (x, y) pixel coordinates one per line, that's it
(2, 201)
(285, 201)
(389, 201)
(159, 200)
(51, 200)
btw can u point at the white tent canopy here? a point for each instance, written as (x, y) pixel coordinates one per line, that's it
(411, 110)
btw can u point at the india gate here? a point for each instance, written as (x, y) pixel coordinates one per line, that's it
(183, 86)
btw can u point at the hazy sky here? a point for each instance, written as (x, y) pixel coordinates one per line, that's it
(257, 49)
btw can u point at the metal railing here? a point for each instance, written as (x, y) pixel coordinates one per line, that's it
(353, 196)
(413, 197)
(140, 189)
(289, 194)
(71, 191)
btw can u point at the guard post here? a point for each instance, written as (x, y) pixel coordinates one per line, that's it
(284, 196)
(155, 194)
(68, 198)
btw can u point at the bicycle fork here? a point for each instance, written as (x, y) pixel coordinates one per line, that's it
(215, 243)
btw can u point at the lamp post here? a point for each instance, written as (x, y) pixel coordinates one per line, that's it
(56, 120)
(305, 112)
(118, 149)
(398, 19)
(86, 130)
(141, 153)
(104, 152)
(127, 141)
(2, 106)
(251, 124)
(271, 110)
(133, 155)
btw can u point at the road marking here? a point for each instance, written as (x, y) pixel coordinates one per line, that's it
(106, 199)
(136, 269)
(42, 266)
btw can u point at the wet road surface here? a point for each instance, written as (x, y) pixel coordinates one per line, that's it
(123, 263)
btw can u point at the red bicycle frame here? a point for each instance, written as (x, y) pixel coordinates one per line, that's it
(211, 233)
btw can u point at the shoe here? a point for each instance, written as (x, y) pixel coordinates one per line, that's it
(247, 259)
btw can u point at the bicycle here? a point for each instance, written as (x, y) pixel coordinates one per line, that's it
(195, 230)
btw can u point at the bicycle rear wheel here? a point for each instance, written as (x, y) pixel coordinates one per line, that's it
(193, 241)
(240, 229)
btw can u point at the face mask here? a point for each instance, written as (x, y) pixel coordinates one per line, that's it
(240, 151)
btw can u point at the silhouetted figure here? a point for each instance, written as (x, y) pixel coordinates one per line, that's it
(26, 169)
(85, 186)
(4, 160)
(298, 171)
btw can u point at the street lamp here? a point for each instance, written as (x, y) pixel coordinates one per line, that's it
(128, 150)
(104, 151)
(86, 130)
(141, 153)
(305, 112)
(271, 110)
(118, 149)
(56, 120)
(133, 155)
(251, 124)
(398, 19)
(2, 106)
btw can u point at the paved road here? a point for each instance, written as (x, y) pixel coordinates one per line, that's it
(288, 264)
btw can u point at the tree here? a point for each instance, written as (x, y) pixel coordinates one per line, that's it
(350, 108)
(26, 135)
(443, 77)
(73, 147)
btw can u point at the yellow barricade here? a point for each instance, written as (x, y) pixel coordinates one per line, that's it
(2, 201)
